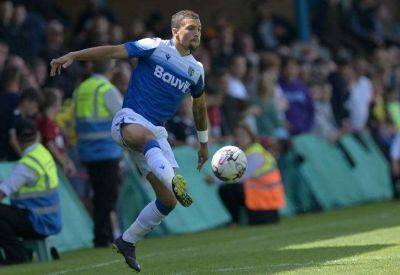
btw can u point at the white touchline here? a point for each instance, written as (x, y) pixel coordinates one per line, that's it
(85, 268)
(64, 271)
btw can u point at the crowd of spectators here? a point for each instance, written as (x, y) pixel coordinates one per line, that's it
(345, 79)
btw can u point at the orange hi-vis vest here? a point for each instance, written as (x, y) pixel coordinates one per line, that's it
(264, 189)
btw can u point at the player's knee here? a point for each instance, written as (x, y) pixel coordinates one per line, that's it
(129, 136)
(147, 140)
(147, 136)
(136, 136)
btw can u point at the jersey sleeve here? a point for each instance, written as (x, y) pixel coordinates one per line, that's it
(142, 48)
(198, 88)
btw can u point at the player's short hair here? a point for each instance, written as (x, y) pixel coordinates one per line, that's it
(176, 19)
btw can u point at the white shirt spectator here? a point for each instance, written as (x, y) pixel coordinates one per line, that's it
(395, 148)
(358, 103)
(324, 122)
(237, 89)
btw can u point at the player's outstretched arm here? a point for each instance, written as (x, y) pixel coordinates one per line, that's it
(95, 53)
(200, 120)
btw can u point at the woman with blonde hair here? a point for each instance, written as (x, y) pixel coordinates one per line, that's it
(270, 119)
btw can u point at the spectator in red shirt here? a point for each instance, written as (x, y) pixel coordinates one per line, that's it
(50, 132)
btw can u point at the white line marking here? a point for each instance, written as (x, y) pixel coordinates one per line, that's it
(177, 251)
(85, 268)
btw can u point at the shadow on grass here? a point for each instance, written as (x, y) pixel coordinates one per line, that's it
(292, 259)
(316, 227)
(268, 261)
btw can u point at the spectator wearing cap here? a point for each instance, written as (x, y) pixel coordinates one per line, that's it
(34, 212)
(9, 97)
(28, 107)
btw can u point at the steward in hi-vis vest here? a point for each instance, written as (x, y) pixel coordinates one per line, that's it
(96, 101)
(263, 190)
(33, 189)
(93, 120)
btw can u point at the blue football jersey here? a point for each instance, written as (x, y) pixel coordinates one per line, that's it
(161, 79)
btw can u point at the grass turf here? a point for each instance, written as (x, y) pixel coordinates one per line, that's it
(362, 240)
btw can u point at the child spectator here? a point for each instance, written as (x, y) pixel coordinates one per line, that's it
(50, 132)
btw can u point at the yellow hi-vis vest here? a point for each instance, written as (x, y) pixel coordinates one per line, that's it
(89, 100)
(394, 112)
(41, 199)
(93, 121)
(264, 189)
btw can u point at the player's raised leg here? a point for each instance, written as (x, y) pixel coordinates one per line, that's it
(139, 138)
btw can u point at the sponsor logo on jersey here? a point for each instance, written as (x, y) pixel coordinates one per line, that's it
(172, 80)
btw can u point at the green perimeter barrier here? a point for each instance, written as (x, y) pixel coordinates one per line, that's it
(333, 181)
(77, 227)
(299, 197)
(371, 167)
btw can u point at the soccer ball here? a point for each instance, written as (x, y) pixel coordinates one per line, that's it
(229, 164)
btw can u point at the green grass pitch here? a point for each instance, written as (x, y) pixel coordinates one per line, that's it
(358, 240)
